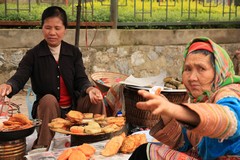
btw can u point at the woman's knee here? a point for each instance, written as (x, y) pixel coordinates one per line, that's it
(48, 102)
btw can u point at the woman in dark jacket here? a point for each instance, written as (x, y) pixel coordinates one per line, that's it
(57, 76)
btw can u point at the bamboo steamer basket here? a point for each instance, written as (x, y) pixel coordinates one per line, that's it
(111, 77)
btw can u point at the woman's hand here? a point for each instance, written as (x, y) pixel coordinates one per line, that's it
(155, 103)
(5, 89)
(95, 95)
(161, 106)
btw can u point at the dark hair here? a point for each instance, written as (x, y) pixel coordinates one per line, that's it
(55, 11)
(205, 52)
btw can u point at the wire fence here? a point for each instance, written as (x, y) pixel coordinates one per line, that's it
(127, 13)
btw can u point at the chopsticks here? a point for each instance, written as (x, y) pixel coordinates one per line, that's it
(8, 108)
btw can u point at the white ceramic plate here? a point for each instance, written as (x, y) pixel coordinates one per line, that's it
(165, 89)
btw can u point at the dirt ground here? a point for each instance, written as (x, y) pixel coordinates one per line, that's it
(20, 99)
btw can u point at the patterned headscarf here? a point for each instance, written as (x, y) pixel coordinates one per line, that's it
(224, 68)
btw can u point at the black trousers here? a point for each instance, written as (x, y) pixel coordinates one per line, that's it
(140, 153)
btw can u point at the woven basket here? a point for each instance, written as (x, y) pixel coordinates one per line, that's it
(139, 117)
(104, 80)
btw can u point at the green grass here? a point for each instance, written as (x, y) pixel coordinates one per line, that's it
(101, 12)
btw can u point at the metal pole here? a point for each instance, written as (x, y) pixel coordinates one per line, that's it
(5, 7)
(77, 33)
(114, 13)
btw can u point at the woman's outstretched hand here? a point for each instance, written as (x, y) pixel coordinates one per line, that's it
(157, 104)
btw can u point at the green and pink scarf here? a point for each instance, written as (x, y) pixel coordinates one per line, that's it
(224, 68)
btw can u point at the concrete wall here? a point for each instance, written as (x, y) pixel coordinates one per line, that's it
(139, 52)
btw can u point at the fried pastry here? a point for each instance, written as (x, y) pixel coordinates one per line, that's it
(17, 122)
(142, 139)
(120, 121)
(75, 116)
(22, 118)
(131, 142)
(128, 145)
(110, 128)
(87, 149)
(10, 127)
(9, 123)
(65, 154)
(56, 125)
(59, 123)
(98, 117)
(112, 146)
(87, 115)
(94, 124)
(77, 129)
(61, 120)
(77, 155)
(92, 130)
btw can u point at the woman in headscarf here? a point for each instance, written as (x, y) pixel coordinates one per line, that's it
(208, 127)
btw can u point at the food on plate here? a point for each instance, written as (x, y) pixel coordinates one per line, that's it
(173, 83)
(141, 138)
(56, 125)
(87, 115)
(168, 85)
(110, 128)
(12, 121)
(128, 145)
(92, 128)
(120, 121)
(131, 142)
(82, 152)
(71, 125)
(112, 146)
(102, 123)
(98, 117)
(16, 122)
(61, 120)
(87, 149)
(74, 116)
(181, 86)
(59, 123)
(19, 117)
(65, 154)
(77, 155)
(77, 129)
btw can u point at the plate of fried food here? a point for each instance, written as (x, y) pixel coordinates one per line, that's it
(17, 126)
(83, 124)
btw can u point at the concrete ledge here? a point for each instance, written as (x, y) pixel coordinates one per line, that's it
(27, 38)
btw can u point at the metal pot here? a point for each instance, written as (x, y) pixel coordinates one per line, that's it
(19, 134)
(13, 150)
